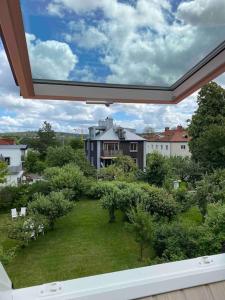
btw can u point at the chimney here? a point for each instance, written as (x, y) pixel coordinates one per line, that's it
(167, 128)
(179, 127)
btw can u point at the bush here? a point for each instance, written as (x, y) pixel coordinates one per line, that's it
(27, 228)
(184, 198)
(52, 206)
(159, 202)
(69, 179)
(177, 241)
(13, 197)
(141, 226)
(32, 163)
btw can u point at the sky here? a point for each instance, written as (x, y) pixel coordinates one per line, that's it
(145, 42)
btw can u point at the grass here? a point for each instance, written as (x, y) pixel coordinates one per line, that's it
(82, 244)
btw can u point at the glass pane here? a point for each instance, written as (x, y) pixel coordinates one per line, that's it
(139, 42)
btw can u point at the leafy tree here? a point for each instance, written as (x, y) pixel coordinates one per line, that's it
(109, 201)
(46, 137)
(207, 127)
(125, 163)
(3, 171)
(82, 162)
(111, 172)
(59, 156)
(69, 179)
(156, 169)
(159, 202)
(32, 163)
(141, 225)
(184, 168)
(52, 206)
(77, 143)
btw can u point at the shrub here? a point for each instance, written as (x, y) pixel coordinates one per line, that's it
(25, 229)
(184, 198)
(13, 196)
(156, 169)
(141, 226)
(109, 201)
(32, 163)
(52, 206)
(69, 179)
(159, 202)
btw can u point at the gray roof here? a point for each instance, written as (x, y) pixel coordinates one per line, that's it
(111, 135)
(22, 147)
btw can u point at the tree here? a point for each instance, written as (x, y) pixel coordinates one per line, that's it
(156, 169)
(52, 206)
(32, 163)
(59, 156)
(46, 138)
(3, 171)
(69, 179)
(208, 123)
(125, 163)
(141, 225)
(77, 143)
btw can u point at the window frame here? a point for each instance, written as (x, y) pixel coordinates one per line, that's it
(131, 144)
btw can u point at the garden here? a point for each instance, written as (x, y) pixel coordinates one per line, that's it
(79, 223)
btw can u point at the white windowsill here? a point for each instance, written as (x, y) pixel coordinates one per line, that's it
(129, 284)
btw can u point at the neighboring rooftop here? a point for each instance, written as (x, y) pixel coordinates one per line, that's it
(7, 141)
(178, 134)
(106, 130)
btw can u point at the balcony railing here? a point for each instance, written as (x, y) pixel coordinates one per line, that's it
(111, 153)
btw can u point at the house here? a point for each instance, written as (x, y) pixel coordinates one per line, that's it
(170, 142)
(13, 155)
(106, 141)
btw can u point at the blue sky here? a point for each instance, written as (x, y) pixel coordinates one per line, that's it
(135, 42)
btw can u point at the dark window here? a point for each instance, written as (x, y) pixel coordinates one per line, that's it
(133, 147)
(183, 146)
(7, 160)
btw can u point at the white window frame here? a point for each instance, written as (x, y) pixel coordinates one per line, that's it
(136, 148)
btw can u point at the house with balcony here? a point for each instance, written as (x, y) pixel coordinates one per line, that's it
(170, 142)
(106, 141)
(13, 155)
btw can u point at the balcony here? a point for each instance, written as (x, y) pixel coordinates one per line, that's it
(111, 153)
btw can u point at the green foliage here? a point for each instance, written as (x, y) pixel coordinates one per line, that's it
(177, 241)
(159, 202)
(207, 127)
(109, 201)
(101, 188)
(125, 163)
(60, 156)
(46, 137)
(32, 163)
(52, 206)
(28, 228)
(3, 171)
(184, 168)
(6, 256)
(141, 225)
(77, 143)
(156, 168)
(13, 196)
(69, 179)
(112, 172)
(184, 198)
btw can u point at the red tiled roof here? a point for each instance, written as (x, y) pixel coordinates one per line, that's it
(169, 135)
(7, 141)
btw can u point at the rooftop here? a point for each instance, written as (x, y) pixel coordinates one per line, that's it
(169, 135)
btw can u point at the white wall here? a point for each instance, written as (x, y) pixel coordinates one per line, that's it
(14, 154)
(169, 149)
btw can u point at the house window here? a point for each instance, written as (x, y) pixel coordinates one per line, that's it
(161, 147)
(111, 146)
(133, 147)
(166, 147)
(152, 146)
(156, 146)
(135, 161)
(92, 146)
(183, 147)
(7, 160)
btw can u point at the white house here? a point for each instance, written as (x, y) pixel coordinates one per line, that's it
(171, 142)
(13, 155)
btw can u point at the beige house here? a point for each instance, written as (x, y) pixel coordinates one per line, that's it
(170, 142)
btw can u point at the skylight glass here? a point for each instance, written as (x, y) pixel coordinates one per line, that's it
(137, 42)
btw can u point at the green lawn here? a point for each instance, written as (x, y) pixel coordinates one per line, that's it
(83, 243)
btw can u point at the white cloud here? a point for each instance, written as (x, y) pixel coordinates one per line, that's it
(50, 59)
(202, 12)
